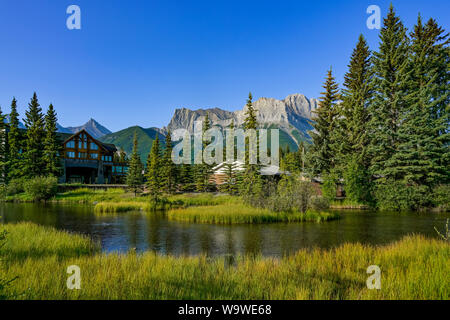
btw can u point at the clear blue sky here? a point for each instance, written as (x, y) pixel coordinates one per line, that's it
(134, 62)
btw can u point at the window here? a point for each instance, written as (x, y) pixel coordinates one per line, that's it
(94, 155)
(82, 155)
(107, 158)
(94, 146)
(70, 154)
(70, 144)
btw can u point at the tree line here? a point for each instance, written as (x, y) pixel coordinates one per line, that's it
(30, 153)
(385, 135)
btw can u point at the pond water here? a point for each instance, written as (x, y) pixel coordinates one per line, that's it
(154, 232)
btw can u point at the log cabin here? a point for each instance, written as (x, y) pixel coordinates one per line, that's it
(90, 161)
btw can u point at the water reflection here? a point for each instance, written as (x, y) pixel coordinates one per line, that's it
(153, 232)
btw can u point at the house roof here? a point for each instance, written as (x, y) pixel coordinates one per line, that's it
(107, 146)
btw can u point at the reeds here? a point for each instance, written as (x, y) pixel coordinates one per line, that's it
(413, 268)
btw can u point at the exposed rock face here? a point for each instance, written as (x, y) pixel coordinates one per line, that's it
(94, 128)
(290, 115)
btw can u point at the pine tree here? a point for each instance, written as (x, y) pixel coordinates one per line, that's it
(33, 155)
(423, 142)
(134, 175)
(4, 154)
(15, 141)
(353, 112)
(321, 155)
(250, 182)
(153, 171)
(230, 169)
(169, 170)
(390, 99)
(52, 145)
(203, 171)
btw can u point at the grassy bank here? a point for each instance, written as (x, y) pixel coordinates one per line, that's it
(241, 214)
(413, 268)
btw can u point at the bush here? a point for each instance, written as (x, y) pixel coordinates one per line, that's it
(357, 183)
(440, 197)
(15, 186)
(319, 203)
(398, 196)
(329, 186)
(41, 188)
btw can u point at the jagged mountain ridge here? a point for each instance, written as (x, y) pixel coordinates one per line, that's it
(94, 128)
(290, 115)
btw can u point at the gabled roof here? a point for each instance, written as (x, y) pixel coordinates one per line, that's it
(106, 146)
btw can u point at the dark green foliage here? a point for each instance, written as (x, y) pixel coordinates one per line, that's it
(440, 198)
(33, 164)
(4, 154)
(41, 188)
(52, 145)
(15, 186)
(321, 154)
(153, 170)
(250, 182)
(357, 181)
(391, 88)
(169, 170)
(134, 174)
(398, 196)
(203, 171)
(329, 186)
(15, 141)
(353, 112)
(422, 155)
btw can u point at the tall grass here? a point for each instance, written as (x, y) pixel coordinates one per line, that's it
(242, 214)
(413, 268)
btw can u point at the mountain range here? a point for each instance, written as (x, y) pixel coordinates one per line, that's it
(291, 115)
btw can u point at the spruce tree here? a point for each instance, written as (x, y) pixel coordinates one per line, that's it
(229, 167)
(52, 145)
(390, 99)
(15, 141)
(134, 175)
(33, 155)
(169, 170)
(4, 155)
(321, 156)
(250, 182)
(153, 171)
(423, 142)
(203, 171)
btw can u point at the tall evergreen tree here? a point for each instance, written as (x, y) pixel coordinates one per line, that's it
(134, 175)
(390, 98)
(153, 171)
(169, 170)
(15, 141)
(250, 182)
(33, 155)
(353, 111)
(203, 171)
(423, 140)
(230, 168)
(321, 154)
(52, 145)
(4, 155)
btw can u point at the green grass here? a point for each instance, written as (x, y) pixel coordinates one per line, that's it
(413, 268)
(347, 204)
(241, 214)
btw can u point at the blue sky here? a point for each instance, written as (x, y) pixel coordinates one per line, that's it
(134, 62)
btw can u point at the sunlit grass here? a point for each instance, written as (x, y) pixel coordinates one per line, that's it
(241, 214)
(413, 268)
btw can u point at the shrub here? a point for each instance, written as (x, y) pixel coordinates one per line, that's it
(41, 188)
(398, 196)
(15, 186)
(440, 197)
(357, 183)
(329, 186)
(319, 203)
